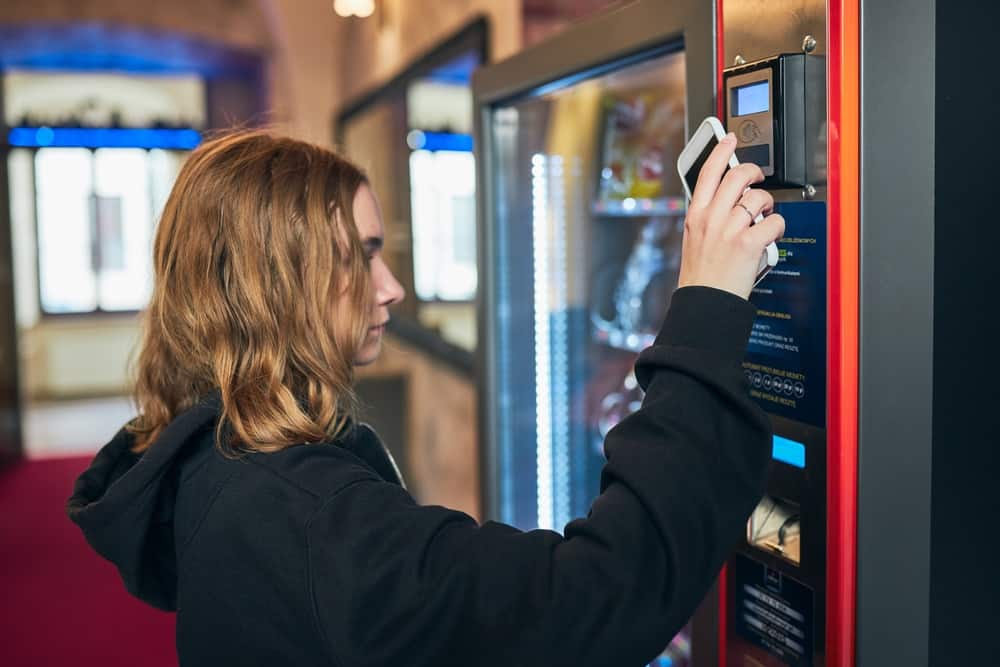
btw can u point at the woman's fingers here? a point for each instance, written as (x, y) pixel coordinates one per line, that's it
(769, 230)
(712, 172)
(722, 246)
(758, 201)
(735, 183)
(752, 204)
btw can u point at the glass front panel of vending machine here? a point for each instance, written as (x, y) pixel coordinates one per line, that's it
(588, 215)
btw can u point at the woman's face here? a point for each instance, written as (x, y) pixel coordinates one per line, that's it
(387, 289)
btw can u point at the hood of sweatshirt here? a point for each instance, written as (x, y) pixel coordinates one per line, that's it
(124, 502)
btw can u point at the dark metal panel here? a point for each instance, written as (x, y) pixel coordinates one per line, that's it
(486, 320)
(635, 28)
(896, 337)
(965, 584)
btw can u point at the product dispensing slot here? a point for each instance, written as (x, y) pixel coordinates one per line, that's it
(775, 527)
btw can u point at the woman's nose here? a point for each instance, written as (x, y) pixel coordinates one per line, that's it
(387, 288)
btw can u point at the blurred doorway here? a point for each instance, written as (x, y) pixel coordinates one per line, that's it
(89, 160)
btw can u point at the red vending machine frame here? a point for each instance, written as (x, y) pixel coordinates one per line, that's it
(843, 272)
(843, 141)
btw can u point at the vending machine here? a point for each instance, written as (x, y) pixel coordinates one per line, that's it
(581, 216)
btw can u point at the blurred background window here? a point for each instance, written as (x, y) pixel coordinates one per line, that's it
(99, 151)
(99, 107)
(414, 137)
(443, 190)
(96, 212)
(443, 181)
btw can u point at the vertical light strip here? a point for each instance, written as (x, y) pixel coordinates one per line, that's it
(558, 346)
(543, 377)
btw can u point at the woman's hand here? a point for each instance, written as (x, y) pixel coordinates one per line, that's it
(721, 249)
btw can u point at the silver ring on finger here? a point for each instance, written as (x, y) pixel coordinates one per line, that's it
(749, 212)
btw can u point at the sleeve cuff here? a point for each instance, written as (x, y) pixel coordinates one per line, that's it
(709, 319)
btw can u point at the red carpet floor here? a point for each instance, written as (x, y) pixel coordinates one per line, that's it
(60, 603)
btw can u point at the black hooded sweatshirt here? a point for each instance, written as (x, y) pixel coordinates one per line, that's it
(316, 555)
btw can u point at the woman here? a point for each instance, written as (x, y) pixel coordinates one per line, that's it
(247, 498)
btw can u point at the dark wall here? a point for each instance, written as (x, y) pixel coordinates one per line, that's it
(10, 413)
(965, 569)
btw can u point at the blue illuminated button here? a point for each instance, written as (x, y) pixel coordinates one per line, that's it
(788, 451)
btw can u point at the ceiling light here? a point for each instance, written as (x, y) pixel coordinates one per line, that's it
(359, 8)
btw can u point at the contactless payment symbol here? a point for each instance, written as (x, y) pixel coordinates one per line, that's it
(749, 132)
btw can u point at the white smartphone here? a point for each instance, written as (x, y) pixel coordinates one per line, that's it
(689, 164)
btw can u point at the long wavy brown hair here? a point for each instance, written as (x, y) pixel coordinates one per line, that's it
(261, 292)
